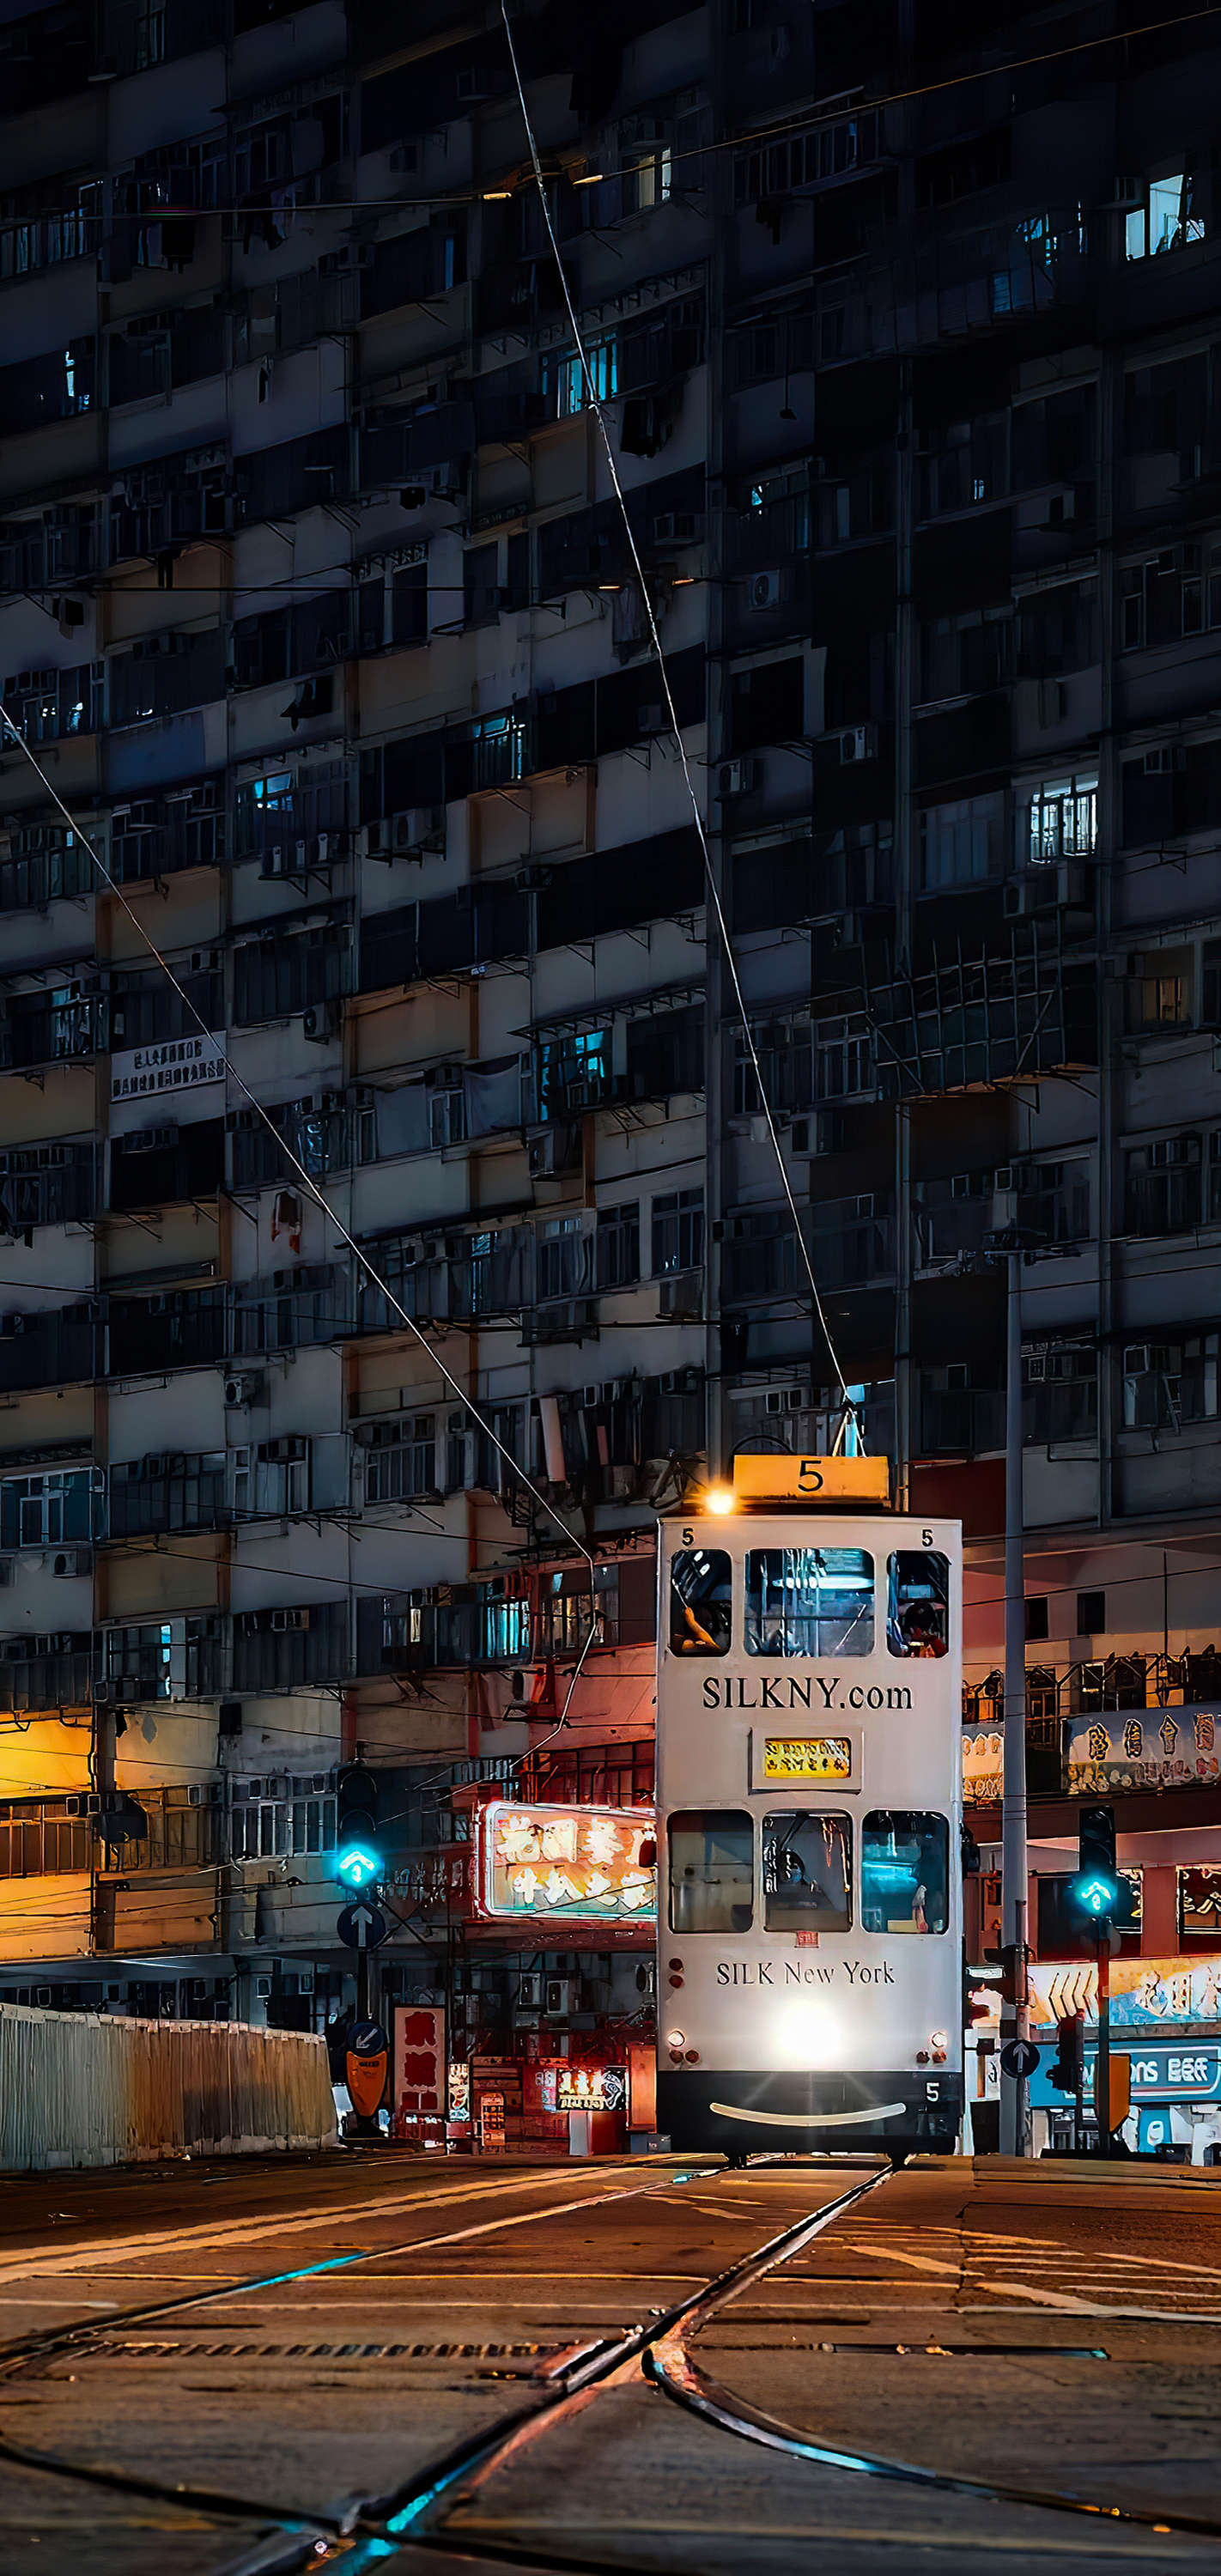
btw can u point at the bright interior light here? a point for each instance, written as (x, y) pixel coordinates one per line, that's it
(718, 1499)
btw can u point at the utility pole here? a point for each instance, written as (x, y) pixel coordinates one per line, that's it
(1015, 2024)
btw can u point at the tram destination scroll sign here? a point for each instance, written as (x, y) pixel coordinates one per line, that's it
(807, 1757)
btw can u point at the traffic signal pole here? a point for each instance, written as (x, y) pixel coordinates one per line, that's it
(1102, 2070)
(1015, 2018)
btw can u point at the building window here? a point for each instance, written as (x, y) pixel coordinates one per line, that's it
(1166, 1384)
(1091, 1614)
(402, 1459)
(1036, 1618)
(564, 377)
(843, 1059)
(678, 1231)
(960, 844)
(1063, 821)
(1168, 216)
(618, 1254)
(1164, 1186)
(1059, 1393)
(563, 1258)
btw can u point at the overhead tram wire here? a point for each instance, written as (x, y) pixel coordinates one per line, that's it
(714, 894)
(296, 1165)
(750, 137)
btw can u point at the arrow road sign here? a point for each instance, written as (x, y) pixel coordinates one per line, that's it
(1020, 2057)
(362, 1926)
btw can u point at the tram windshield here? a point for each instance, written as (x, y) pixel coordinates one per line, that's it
(807, 1872)
(918, 1602)
(712, 1871)
(701, 1598)
(809, 1601)
(905, 1857)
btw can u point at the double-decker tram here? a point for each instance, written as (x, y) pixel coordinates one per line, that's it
(809, 1986)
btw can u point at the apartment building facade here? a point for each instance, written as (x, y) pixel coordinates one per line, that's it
(324, 620)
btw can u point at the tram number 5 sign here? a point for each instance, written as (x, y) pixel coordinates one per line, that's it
(773, 1478)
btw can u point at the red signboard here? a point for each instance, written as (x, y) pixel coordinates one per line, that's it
(562, 1865)
(419, 2060)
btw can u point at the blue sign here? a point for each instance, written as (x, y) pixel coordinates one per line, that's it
(1185, 2074)
(362, 1926)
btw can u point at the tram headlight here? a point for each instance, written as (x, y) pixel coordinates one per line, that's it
(940, 2045)
(807, 2032)
(676, 2039)
(719, 1499)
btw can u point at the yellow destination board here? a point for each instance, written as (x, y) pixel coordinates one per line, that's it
(807, 1757)
(793, 1479)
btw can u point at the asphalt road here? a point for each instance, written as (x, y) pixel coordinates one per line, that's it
(277, 2356)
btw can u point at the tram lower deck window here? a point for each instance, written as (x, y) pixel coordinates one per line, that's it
(701, 1601)
(918, 1602)
(807, 1871)
(905, 1871)
(809, 1601)
(712, 1871)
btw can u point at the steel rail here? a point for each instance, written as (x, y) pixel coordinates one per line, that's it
(76, 2336)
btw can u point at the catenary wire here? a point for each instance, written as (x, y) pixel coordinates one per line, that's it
(672, 711)
(296, 1165)
(741, 142)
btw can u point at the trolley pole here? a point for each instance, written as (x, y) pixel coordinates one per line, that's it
(1014, 2121)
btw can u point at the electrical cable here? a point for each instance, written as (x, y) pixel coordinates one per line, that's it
(672, 711)
(295, 1164)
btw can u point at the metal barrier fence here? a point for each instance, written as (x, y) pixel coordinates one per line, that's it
(75, 2090)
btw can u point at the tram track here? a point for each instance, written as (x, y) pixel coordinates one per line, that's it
(413, 2516)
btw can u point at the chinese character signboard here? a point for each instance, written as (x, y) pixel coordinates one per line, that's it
(178, 1064)
(807, 1757)
(1167, 1748)
(983, 1765)
(566, 1864)
(419, 2060)
(590, 2088)
(1144, 1992)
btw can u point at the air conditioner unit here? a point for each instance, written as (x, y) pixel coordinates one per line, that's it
(785, 1399)
(859, 742)
(735, 778)
(73, 1561)
(284, 859)
(379, 838)
(445, 1077)
(682, 1295)
(678, 527)
(530, 1993)
(8, 1569)
(321, 1021)
(766, 589)
(549, 1153)
(651, 717)
(559, 1997)
(418, 826)
(262, 1990)
(243, 1390)
(282, 1620)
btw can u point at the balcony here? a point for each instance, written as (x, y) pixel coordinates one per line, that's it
(1134, 1722)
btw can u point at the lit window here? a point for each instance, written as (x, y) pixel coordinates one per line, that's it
(1063, 821)
(566, 385)
(1166, 220)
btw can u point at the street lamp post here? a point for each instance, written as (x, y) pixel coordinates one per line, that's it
(1014, 2122)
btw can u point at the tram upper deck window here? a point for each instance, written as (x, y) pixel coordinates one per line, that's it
(905, 1871)
(809, 1601)
(807, 1872)
(712, 1871)
(918, 1602)
(701, 1598)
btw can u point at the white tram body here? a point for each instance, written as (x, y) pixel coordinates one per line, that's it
(809, 1975)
